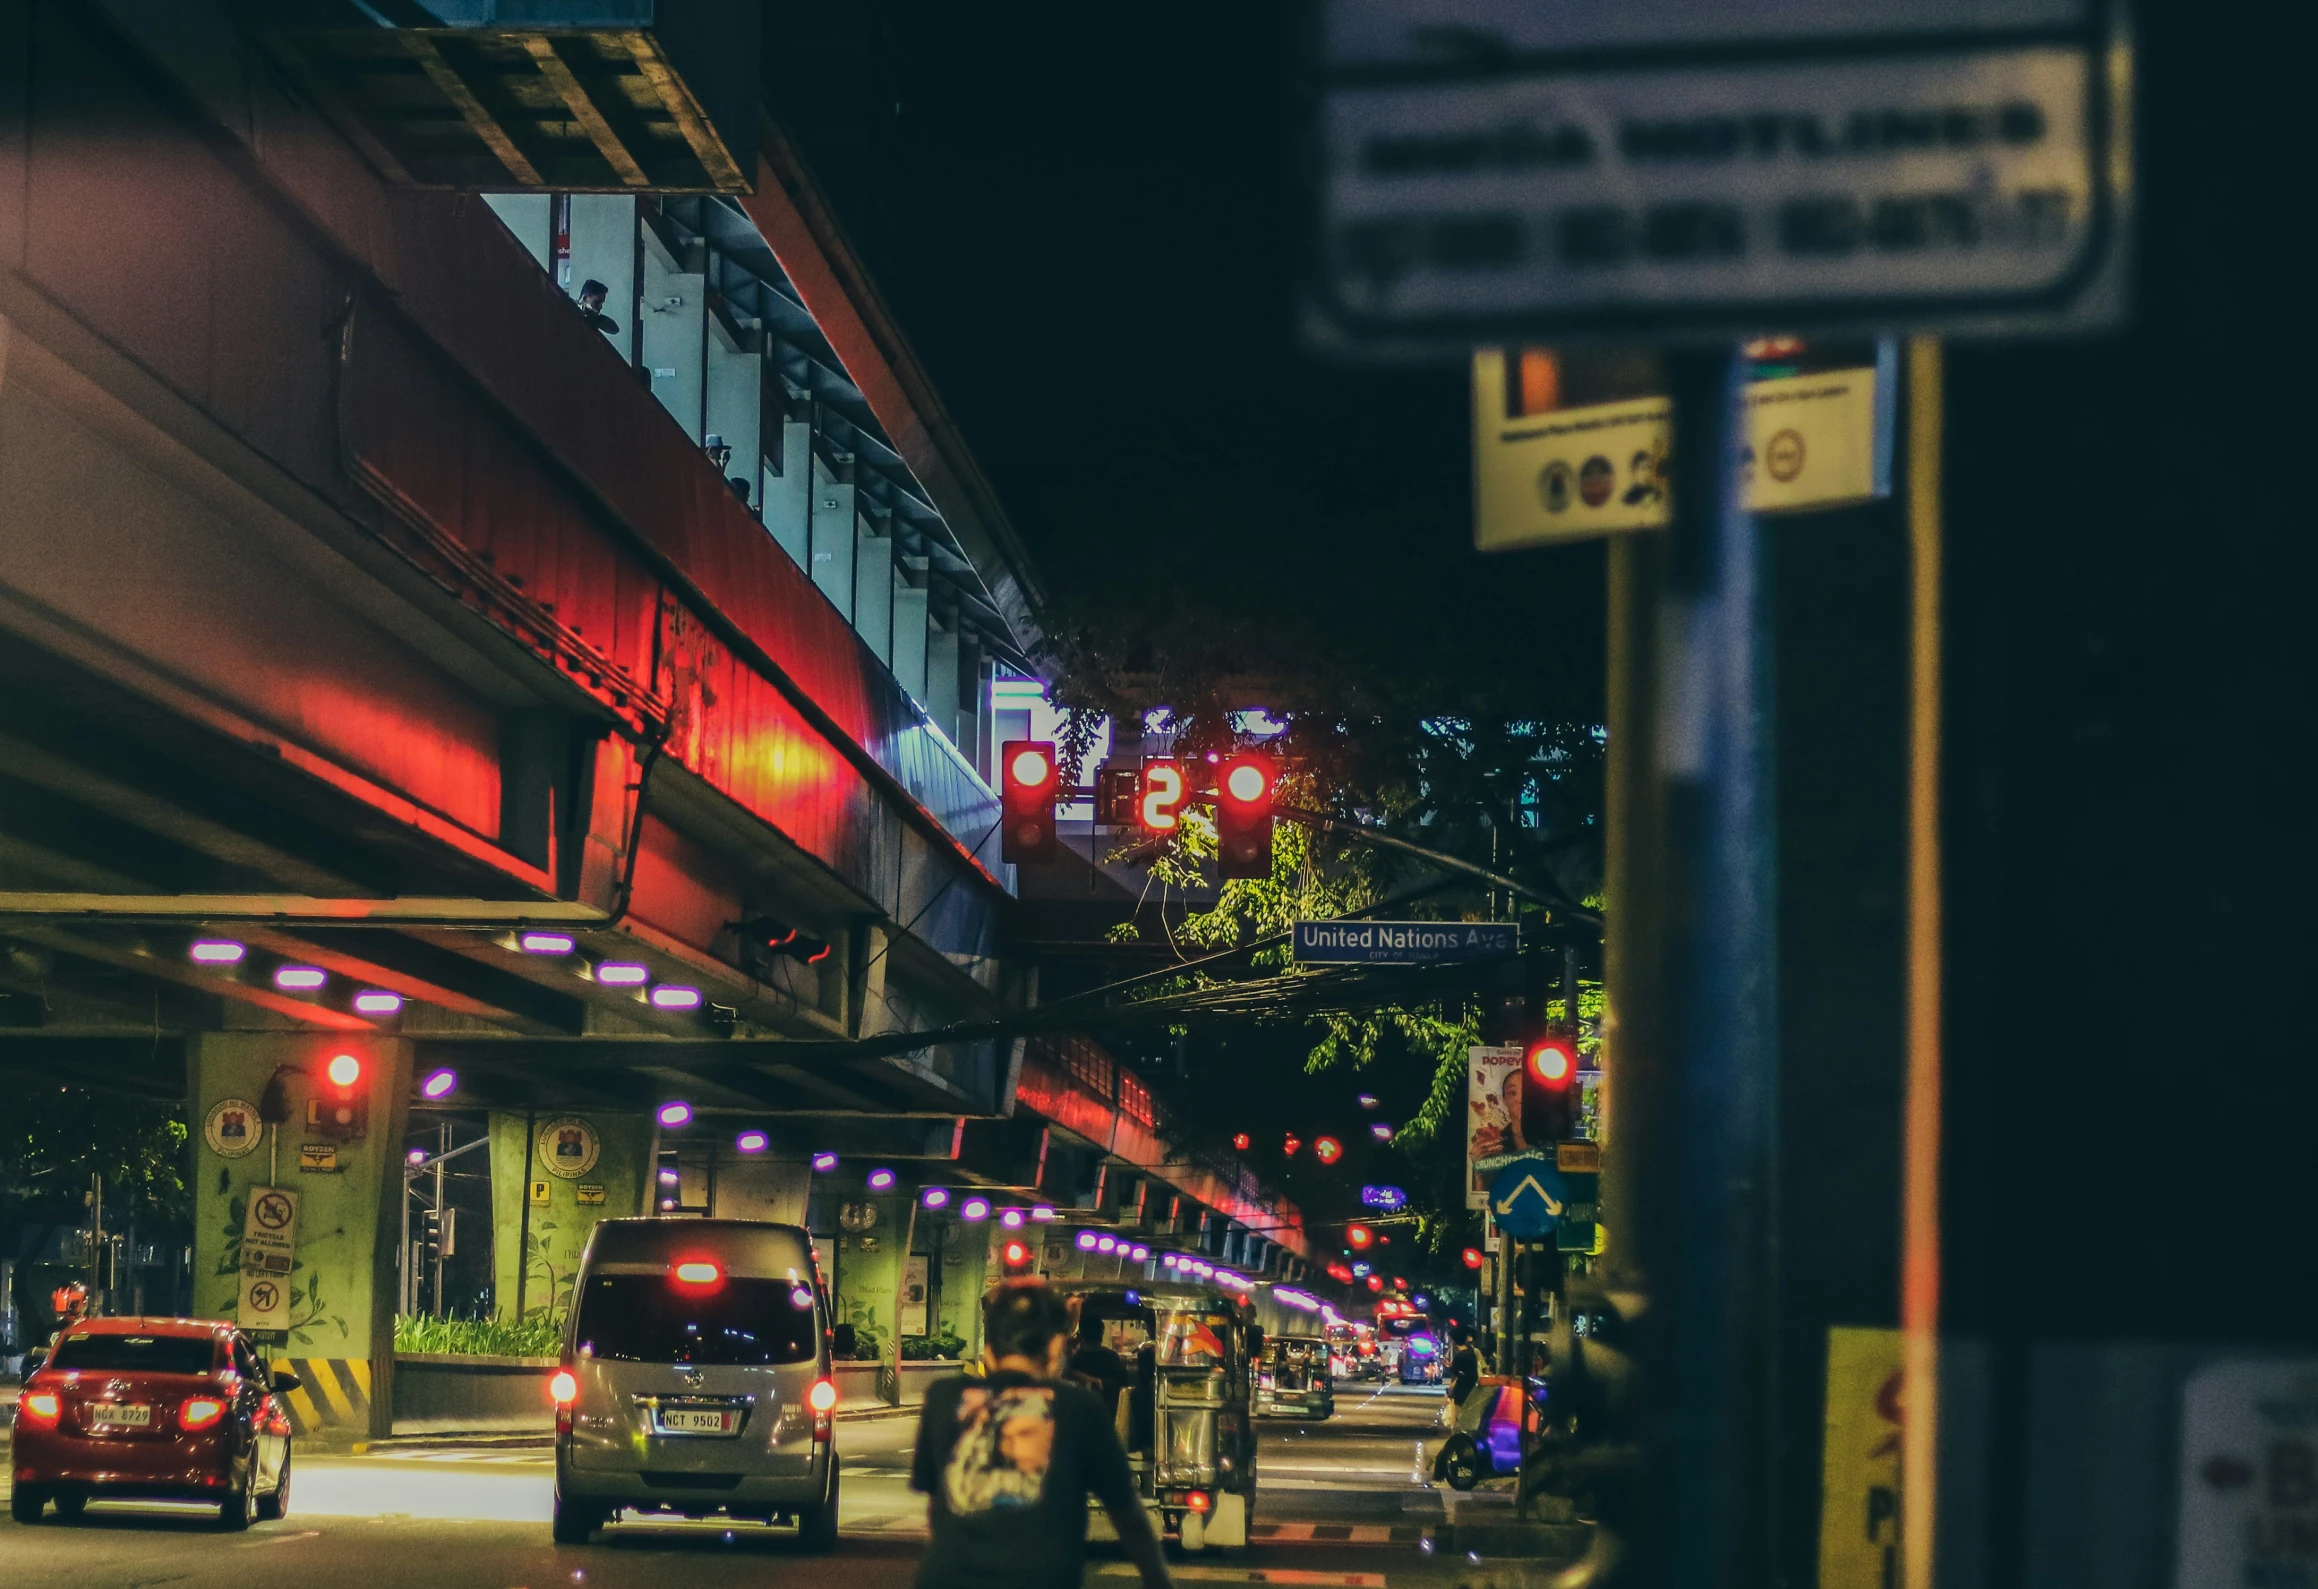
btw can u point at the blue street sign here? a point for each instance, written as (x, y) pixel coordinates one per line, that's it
(1403, 943)
(1527, 1198)
(1384, 1197)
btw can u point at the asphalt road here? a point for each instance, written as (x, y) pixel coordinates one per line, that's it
(1342, 1502)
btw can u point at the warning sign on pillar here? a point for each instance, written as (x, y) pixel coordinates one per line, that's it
(269, 1243)
(1859, 1511)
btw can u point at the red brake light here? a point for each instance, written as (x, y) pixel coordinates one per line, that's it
(822, 1398)
(698, 1272)
(563, 1386)
(199, 1412)
(1198, 1500)
(40, 1406)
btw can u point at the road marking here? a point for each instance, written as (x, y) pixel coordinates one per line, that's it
(282, 1539)
(1282, 1575)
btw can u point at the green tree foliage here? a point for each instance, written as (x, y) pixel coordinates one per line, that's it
(57, 1138)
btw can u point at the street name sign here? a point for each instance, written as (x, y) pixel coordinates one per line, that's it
(1403, 943)
(1488, 171)
(1528, 1197)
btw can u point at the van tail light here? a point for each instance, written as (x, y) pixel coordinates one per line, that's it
(199, 1412)
(1198, 1501)
(822, 1398)
(40, 1406)
(563, 1386)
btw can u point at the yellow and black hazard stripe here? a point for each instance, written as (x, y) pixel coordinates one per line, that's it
(334, 1394)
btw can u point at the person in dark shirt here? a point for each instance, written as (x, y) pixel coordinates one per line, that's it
(1464, 1365)
(1464, 1377)
(591, 306)
(1007, 1461)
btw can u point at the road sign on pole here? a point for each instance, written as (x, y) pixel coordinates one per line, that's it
(1498, 170)
(1528, 1197)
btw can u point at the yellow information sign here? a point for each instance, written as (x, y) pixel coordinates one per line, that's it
(1575, 473)
(1860, 1485)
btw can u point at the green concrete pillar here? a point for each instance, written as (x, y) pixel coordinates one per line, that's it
(874, 1231)
(965, 1272)
(553, 1175)
(334, 1305)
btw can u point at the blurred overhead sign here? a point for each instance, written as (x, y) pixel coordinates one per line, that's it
(1498, 169)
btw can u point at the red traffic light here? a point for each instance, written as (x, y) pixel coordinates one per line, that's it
(1358, 1236)
(344, 1070)
(1032, 766)
(1327, 1149)
(1239, 1140)
(1553, 1061)
(1473, 1258)
(1028, 786)
(1290, 1143)
(1376, 1282)
(1243, 816)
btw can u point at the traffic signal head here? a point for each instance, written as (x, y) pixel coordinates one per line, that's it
(339, 1108)
(1029, 780)
(1358, 1236)
(1243, 816)
(1015, 1257)
(1474, 1258)
(1549, 1097)
(1327, 1150)
(1552, 1062)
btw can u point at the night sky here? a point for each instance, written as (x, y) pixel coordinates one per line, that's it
(1097, 253)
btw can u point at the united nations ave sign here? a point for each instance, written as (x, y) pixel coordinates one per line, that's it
(1488, 170)
(1403, 943)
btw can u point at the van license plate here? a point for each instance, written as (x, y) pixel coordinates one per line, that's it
(119, 1415)
(698, 1421)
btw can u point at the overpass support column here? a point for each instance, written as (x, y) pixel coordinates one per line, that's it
(580, 1167)
(875, 1232)
(332, 1313)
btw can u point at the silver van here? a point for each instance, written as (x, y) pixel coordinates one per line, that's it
(696, 1379)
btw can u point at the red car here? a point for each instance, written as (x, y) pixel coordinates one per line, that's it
(153, 1409)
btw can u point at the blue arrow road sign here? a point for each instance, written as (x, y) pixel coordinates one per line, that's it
(1527, 1198)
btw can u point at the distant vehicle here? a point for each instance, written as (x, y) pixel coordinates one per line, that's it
(153, 1409)
(1295, 1380)
(1416, 1349)
(696, 1379)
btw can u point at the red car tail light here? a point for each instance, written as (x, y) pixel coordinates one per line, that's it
(199, 1412)
(40, 1406)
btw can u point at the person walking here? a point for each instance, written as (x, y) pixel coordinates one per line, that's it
(1007, 1461)
(1464, 1379)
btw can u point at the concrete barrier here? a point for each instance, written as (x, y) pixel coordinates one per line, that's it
(444, 1391)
